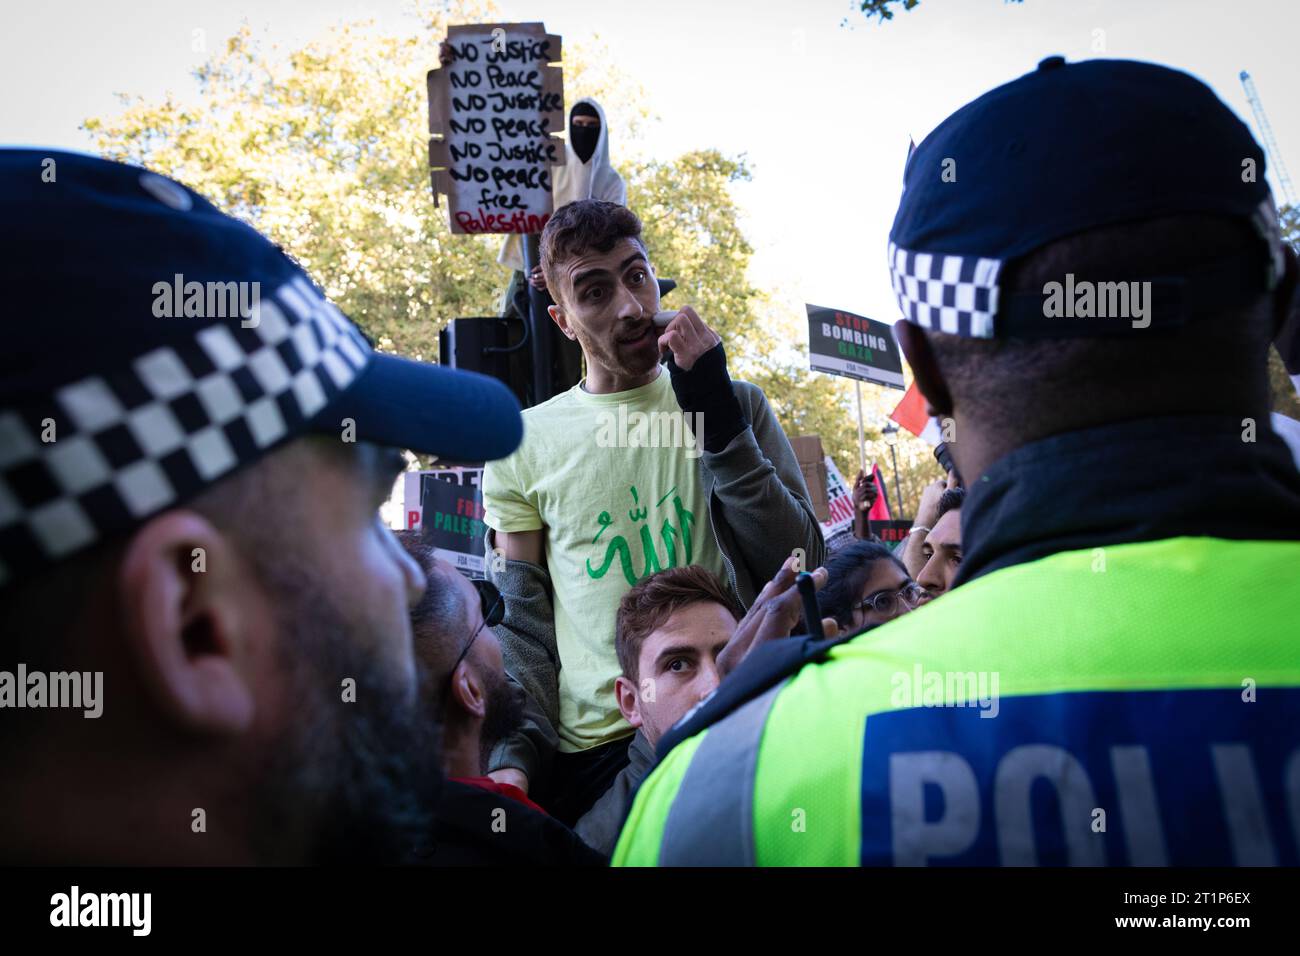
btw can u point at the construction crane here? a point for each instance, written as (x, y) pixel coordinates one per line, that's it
(1270, 144)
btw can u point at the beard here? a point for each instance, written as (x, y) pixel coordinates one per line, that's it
(505, 714)
(616, 357)
(349, 782)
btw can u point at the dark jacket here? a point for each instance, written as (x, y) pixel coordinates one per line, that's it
(479, 828)
(1143, 480)
(600, 825)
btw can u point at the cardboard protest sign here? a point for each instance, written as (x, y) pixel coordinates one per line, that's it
(812, 462)
(493, 113)
(853, 346)
(451, 517)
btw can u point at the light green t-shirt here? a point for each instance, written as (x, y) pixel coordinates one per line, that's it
(615, 480)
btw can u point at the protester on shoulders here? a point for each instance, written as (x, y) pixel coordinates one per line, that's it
(586, 509)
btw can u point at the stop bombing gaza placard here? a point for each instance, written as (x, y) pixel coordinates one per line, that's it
(853, 346)
(493, 113)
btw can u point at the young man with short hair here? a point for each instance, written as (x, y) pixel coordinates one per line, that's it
(670, 630)
(631, 471)
(460, 659)
(941, 549)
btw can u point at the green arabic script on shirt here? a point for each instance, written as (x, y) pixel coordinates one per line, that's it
(670, 533)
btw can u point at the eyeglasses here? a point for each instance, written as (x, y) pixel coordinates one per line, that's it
(493, 606)
(886, 603)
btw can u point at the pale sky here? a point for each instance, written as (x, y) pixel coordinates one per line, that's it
(822, 111)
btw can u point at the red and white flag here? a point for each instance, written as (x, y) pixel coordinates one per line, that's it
(910, 413)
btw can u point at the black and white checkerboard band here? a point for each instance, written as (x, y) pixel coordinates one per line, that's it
(954, 294)
(959, 294)
(132, 442)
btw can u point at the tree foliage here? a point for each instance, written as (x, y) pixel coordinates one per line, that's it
(324, 152)
(689, 224)
(323, 149)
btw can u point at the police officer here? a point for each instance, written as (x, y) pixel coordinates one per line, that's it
(1090, 274)
(194, 444)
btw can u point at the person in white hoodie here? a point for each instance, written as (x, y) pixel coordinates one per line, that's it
(586, 174)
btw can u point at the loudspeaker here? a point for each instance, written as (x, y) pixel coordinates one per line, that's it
(493, 346)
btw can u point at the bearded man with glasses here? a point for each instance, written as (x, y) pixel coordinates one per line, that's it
(464, 681)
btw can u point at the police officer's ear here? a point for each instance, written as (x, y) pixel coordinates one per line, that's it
(920, 356)
(194, 635)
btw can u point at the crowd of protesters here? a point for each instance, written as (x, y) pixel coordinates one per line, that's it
(664, 664)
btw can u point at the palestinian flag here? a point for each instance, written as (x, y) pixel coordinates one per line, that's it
(880, 508)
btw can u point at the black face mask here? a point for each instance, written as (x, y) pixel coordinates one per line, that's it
(584, 140)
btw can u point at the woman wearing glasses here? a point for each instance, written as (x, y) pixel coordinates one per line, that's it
(865, 586)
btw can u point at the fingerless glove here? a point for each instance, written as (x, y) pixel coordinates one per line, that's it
(706, 389)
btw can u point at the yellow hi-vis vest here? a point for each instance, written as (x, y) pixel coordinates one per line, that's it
(1135, 704)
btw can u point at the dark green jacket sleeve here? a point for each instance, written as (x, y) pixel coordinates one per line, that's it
(527, 636)
(764, 502)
